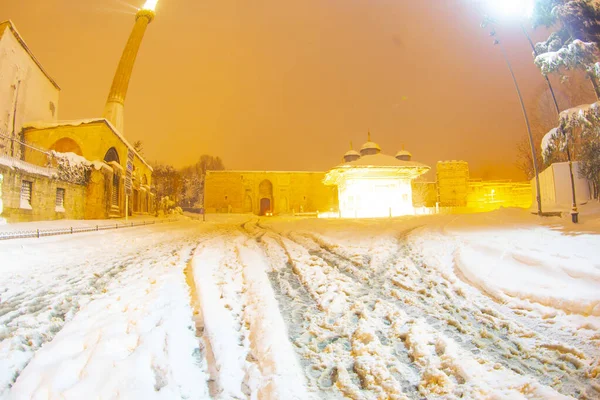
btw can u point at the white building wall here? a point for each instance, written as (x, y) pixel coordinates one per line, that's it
(37, 98)
(375, 198)
(555, 186)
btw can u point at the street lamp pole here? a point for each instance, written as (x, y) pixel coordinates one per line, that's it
(533, 158)
(574, 212)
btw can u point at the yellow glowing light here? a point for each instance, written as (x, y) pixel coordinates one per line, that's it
(510, 8)
(150, 5)
(369, 198)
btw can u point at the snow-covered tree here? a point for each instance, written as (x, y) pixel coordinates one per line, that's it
(138, 146)
(193, 179)
(579, 128)
(167, 183)
(575, 42)
(574, 45)
(70, 167)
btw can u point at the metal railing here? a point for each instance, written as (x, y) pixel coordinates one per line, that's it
(39, 233)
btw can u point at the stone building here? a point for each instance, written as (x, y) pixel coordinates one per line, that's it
(27, 92)
(376, 182)
(260, 192)
(458, 192)
(34, 144)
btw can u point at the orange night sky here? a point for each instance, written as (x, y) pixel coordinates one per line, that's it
(282, 85)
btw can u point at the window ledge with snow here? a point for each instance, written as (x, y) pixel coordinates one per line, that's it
(59, 209)
(25, 205)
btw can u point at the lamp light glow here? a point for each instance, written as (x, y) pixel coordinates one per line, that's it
(509, 8)
(150, 5)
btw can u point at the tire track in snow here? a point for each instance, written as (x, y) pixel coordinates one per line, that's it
(432, 295)
(344, 357)
(219, 283)
(479, 328)
(241, 322)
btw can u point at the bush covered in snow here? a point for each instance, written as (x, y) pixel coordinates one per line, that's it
(71, 168)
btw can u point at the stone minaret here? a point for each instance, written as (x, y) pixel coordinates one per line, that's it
(114, 109)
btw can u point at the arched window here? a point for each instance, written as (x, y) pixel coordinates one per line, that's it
(112, 155)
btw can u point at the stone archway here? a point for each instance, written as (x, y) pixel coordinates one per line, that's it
(265, 206)
(112, 155)
(265, 194)
(66, 145)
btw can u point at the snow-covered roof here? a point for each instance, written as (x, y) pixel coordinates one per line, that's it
(78, 122)
(11, 26)
(381, 161)
(15, 163)
(352, 153)
(403, 153)
(370, 145)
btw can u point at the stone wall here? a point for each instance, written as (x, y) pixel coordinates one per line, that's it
(43, 197)
(98, 193)
(280, 192)
(452, 179)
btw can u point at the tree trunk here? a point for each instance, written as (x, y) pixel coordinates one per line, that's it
(595, 84)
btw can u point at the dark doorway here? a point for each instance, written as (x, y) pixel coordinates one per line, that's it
(265, 194)
(265, 206)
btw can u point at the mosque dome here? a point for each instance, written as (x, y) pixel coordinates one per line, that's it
(351, 155)
(404, 155)
(370, 148)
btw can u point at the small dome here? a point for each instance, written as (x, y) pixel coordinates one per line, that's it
(351, 155)
(404, 155)
(370, 148)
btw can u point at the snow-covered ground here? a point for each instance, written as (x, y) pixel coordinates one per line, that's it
(499, 305)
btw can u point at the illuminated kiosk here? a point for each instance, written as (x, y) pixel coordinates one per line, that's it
(374, 185)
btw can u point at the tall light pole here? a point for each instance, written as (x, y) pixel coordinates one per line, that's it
(512, 74)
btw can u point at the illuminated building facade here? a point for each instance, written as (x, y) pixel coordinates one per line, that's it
(373, 185)
(367, 184)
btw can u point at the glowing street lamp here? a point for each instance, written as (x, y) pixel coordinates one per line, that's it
(150, 5)
(509, 8)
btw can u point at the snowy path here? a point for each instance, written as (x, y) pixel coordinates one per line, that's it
(101, 296)
(301, 309)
